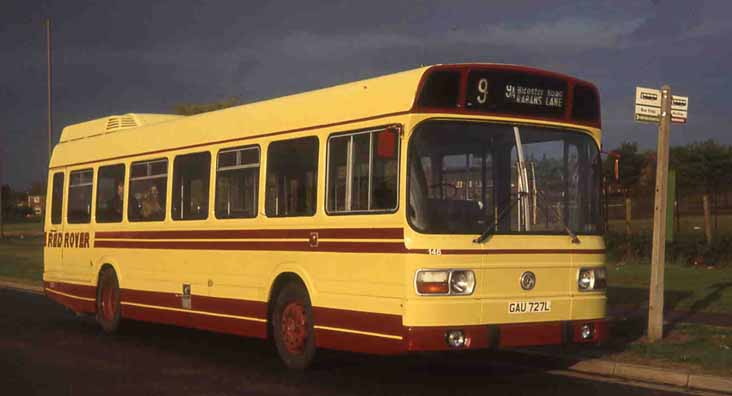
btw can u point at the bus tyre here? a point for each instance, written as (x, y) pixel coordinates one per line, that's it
(292, 323)
(108, 305)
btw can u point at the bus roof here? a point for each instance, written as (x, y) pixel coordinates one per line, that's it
(102, 138)
(121, 136)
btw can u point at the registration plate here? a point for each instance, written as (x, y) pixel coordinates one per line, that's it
(520, 307)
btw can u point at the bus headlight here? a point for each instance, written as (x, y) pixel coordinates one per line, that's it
(590, 279)
(462, 282)
(445, 282)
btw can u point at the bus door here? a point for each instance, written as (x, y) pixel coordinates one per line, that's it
(77, 257)
(54, 227)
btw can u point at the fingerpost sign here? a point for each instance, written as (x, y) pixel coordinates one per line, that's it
(660, 107)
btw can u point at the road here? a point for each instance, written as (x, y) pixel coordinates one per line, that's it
(45, 350)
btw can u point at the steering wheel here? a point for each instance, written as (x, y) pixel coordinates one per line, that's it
(451, 187)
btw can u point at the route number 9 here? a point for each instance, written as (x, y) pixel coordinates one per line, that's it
(482, 90)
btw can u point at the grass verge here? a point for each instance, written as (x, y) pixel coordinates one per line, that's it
(694, 289)
(690, 347)
(25, 228)
(21, 260)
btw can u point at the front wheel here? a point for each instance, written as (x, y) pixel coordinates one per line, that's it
(108, 305)
(292, 322)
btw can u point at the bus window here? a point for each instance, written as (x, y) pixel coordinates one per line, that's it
(237, 183)
(363, 171)
(80, 195)
(57, 198)
(292, 172)
(110, 193)
(191, 175)
(148, 181)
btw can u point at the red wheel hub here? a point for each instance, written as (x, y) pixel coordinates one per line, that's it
(108, 300)
(294, 328)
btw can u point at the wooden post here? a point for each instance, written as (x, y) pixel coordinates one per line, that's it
(628, 215)
(50, 113)
(655, 307)
(707, 218)
(48, 64)
(2, 230)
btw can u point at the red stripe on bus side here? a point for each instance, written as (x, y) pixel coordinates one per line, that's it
(304, 246)
(331, 339)
(158, 299)
(332, 233)
(511, 251)
(73, 289)
(362, 321)
(230, 306)
(290, 246)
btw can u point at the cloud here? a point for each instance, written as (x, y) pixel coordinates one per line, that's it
(321, 46)
(571, 34)
(669, 20)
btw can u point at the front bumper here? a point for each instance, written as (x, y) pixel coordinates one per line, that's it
(434, 338)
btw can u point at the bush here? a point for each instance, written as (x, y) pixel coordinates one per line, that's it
(689, 250)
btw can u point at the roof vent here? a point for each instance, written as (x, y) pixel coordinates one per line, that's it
(120, 122)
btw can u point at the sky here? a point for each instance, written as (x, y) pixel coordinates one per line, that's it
(116, 57)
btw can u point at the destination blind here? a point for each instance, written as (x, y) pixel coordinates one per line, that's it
(516, 93)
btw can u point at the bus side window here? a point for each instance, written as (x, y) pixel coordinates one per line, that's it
(292, 173)
(363, 169)
(57, 198)
(80, 196)
(237, 183)
(148, 185)
(191, 174)
(110, 193)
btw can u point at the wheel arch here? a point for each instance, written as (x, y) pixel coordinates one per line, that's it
(282, 277)
(102, 264)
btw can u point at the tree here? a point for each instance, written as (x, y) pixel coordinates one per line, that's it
(198, 108)
(631, 165)
(704, 166)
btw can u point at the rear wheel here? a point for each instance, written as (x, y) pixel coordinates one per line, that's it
(292, 324)
(108, 305)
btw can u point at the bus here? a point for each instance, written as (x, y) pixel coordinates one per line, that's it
(445, 208)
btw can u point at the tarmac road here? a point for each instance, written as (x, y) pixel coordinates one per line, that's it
(46, 350)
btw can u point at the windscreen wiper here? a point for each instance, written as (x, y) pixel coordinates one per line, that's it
(489, 231)
(572, 234)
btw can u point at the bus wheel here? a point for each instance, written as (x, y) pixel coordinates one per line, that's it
(108, 306)
(292, 322)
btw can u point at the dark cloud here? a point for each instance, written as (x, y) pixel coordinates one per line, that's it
(142, 56)
(669, 20)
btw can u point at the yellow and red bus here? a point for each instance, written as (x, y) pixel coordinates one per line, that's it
(448, 207)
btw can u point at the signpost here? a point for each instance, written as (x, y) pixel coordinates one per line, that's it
(658, 106)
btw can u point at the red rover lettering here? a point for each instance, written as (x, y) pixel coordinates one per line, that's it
(66, 239)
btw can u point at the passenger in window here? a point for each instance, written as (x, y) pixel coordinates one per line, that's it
(114, 206)
(151, 204)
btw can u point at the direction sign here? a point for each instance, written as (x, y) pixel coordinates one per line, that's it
(679, 103)
(648, 106)
(647, 113)
(648, 97)
(679, 109)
